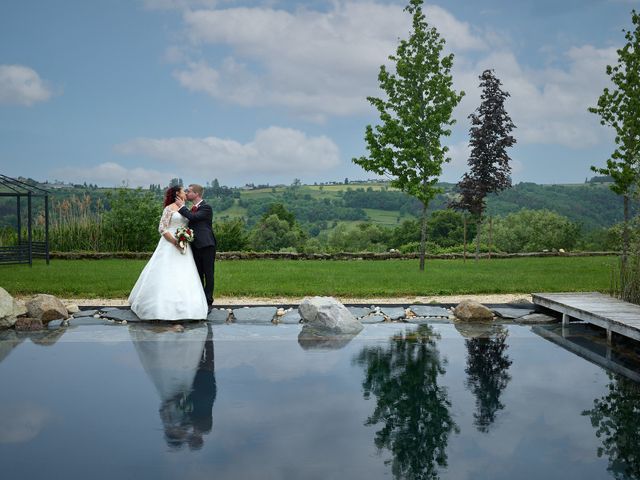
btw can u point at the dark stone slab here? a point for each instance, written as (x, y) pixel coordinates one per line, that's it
(375, 318)
(394, 313)
(536, 318)
(121, 315)
(76, 322)
(359, 312)
(430, 311)
(109, 309)
(254, 314)
(292, 317)
(85, 313)
(218, 315)
(511, 312)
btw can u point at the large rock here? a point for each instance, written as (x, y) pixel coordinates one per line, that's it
(326, 314)
(10, 309)
(46, 308)
(470, 311)
(26, 324)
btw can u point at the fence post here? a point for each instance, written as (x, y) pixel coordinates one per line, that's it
(29, 234)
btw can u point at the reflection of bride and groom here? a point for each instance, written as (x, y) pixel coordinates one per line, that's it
(181, 366)
(176, 283)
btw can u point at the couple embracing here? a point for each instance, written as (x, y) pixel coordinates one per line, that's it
(177, 282)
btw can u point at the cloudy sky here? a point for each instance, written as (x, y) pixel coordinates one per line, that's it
(265, 91)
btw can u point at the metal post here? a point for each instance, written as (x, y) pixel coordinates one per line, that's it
(19, 219)
(46, 227)
(29, 234)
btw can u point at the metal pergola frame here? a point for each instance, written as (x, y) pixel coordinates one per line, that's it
(25, 251)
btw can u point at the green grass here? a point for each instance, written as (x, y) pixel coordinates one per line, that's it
(115, 278)
(386, 218)
(235, 211)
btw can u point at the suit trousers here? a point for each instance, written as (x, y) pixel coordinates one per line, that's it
(205, 263)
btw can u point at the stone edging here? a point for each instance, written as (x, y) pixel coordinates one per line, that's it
(324, 256)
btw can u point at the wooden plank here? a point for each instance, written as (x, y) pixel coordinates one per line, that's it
(606, 312)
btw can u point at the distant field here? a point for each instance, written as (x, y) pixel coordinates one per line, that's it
(236, 211)
(295, 278)
(387, 218)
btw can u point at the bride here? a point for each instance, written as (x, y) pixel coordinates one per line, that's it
(169, 287)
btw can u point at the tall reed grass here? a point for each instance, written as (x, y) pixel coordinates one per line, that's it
(625, 279)
(75, 224)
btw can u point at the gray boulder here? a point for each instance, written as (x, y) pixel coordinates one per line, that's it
(46, 308)
(326, 314)
(469, 311)
(10, 309)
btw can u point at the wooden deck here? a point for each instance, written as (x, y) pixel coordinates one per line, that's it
(596, 308)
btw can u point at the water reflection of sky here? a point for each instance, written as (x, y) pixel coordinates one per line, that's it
(250, 402)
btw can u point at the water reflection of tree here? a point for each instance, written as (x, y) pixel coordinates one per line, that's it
(411, 406)
(616, 418)
(487, 376)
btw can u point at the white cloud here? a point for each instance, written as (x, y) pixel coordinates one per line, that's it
(311, 62)
(114, 174)
(319, 64)
(20, 85)
(22, 423)
(273, 150)
(548, 106)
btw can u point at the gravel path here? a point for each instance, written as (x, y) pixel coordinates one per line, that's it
(502, 298)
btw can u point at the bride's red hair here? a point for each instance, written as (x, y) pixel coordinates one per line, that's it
(171, 194)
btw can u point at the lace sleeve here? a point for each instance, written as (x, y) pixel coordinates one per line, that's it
(165, 220)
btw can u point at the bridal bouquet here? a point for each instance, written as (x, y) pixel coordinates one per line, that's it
(184, 235)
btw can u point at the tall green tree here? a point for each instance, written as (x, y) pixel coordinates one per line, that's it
(619, 108)
(490, 133)
(415, 115)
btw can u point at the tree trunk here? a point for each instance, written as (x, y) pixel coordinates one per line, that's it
(423, 236)
(490, 236)
(478, 232)
(464, 236)
(625, 231)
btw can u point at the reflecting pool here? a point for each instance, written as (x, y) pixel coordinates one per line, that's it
(264, 402)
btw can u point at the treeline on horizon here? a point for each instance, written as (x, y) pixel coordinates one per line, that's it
(333, 217)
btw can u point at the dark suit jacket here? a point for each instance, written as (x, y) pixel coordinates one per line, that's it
(200, 223)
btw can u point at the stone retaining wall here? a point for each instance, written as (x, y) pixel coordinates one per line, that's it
(324, 256)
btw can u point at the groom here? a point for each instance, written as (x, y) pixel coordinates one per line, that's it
(204, 242)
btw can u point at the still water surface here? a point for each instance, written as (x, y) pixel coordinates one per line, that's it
(254, 402)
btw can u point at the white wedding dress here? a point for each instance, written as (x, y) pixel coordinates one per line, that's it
(169, 287)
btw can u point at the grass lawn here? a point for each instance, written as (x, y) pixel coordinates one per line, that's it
(265, 278)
